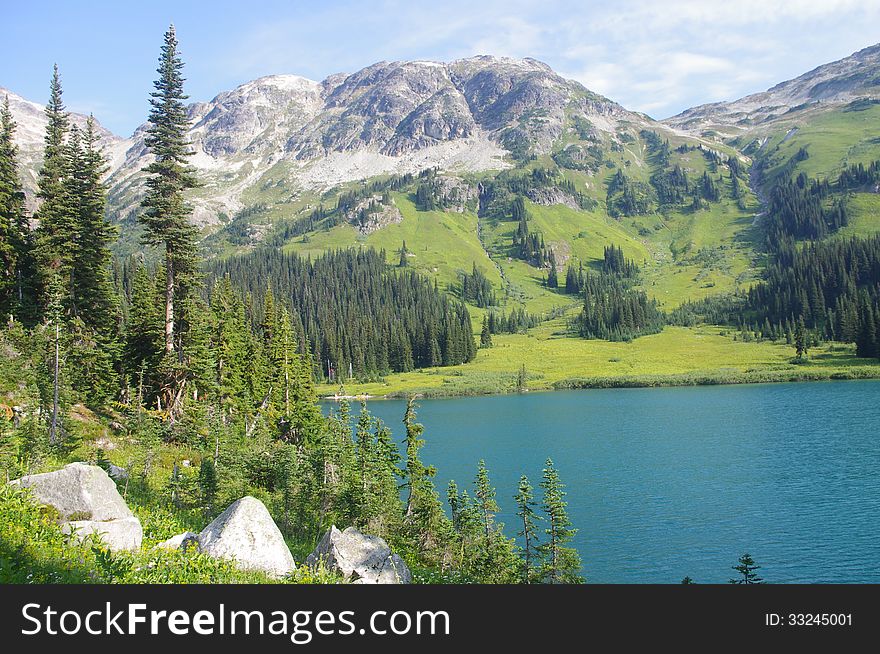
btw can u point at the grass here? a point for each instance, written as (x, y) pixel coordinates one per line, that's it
(834, 139)
(34, 550)
(700, 253)
(865, 215)
(441, 244)
(677, 355)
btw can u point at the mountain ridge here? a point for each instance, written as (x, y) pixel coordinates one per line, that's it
(833, 83)
(287, 135)
(390, 117)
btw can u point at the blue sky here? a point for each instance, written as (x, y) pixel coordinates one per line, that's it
(657, 57)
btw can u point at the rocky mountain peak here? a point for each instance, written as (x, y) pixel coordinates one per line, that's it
(390, 117)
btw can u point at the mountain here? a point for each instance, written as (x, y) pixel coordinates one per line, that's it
(281, 137)
(31, 124)
(313, 166)
(828, 86)
(290, 135)
(275, 150)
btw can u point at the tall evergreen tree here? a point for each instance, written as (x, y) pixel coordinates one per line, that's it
(93, 290)
(485, 496)
(166, 213)
(423, 514)
(54, 312)
(142, 347)
(494, 557)
(800, 339)
(525, 509)
(57, 228)
(561, 564)
(485, 334)
(14, 232)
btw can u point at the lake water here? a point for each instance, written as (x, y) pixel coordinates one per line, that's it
(669, 482)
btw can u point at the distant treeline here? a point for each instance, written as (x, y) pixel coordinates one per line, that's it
(830, 288)
(800, 209)
(833, 286)
(356, 312)
(614, 311)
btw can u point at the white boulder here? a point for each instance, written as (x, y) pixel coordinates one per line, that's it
(360, 557)
(246, 534)
(120, 534)
(87, 502)
(78, 491)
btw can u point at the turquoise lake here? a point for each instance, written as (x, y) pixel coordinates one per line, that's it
(668, 482)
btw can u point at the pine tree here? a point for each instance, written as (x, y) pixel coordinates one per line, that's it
(525, 503)
(522, 379)
(404, 256)
(423, 515)
(561, 564)
(416, 472)
(800, 339)
(747, 569)
(56, 234)
(304, 412)
(364, 453)
(485, 495)
(54, 312)
(552, 277)
(494, 557)
(166, 215)
(485, 334)
(14, 232)
(142, 347)
(93, 289)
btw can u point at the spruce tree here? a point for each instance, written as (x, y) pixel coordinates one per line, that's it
(800, 339)
(208, 485)
(93, 289)
(485, 495)
(423, 515)
(525, 503)
(166, 213)
(552, 277)
(417, 473)
(485, 334)
(142, 346)
(494, 557)
(747, 569)
(54, 313)
(522, 379)
(404, 256)
(56, 233)
(14, 232)
(561, 564)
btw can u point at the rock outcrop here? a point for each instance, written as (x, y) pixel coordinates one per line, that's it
(246, 534)
(117, 473)
(552, 195)
(87, 502)
(362, 558)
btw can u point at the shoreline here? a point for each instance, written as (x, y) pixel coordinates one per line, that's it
(670, 380)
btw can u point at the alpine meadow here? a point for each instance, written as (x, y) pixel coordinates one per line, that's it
(219, 333)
